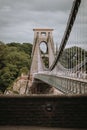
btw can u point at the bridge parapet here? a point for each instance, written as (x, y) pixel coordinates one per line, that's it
(65, 84)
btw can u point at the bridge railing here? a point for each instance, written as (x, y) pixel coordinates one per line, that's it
(63, 83)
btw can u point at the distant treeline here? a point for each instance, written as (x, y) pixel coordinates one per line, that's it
(15, 59)
(73, 56)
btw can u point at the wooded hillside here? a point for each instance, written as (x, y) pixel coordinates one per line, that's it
(15, 58)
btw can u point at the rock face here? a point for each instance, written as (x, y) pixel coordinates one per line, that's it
(19, 86)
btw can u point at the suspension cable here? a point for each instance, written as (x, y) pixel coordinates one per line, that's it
(69, 26)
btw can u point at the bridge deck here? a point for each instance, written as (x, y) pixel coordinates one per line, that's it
(64, 84)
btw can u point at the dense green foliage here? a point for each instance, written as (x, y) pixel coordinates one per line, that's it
(15, 58)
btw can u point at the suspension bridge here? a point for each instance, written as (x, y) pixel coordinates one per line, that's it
(62, 71)
(69, 77)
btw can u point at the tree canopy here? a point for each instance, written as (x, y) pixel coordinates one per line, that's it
(15, 58)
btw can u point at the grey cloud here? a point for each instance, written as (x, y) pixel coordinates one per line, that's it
(19, 17)
(45, 5)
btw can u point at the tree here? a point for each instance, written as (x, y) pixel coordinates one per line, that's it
(15, 59)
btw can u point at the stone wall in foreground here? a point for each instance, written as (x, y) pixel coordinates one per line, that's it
(43, 110)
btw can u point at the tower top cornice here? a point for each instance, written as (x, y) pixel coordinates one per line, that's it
(42, 29)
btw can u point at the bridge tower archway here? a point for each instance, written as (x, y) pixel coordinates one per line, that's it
(42, 36)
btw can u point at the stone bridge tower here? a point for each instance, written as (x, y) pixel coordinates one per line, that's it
(42, 35)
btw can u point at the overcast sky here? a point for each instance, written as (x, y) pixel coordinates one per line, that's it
(19, 17)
